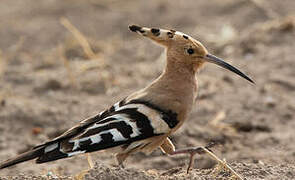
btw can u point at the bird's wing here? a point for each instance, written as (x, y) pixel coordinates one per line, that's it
(82, 126)
(122, 124)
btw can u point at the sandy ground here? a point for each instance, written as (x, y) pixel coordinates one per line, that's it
(48, 83)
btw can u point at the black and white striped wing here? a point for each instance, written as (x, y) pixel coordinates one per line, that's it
(120, 125)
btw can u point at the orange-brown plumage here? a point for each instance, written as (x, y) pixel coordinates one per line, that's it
(144, 120)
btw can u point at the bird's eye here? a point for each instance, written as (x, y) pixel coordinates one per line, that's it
(190, 51)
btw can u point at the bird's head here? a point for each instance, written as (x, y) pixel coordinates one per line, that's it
(185, 48)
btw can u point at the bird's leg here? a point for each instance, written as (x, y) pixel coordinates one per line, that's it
(192, 151)
(168, 148)
(121, 158)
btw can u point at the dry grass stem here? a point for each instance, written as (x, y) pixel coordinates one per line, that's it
(80, 38)
(2, 64)
(89, 159)
(66, 63)
(223, 163)
(267, 11)
(218, 118)
(81, 175)
(221, 126)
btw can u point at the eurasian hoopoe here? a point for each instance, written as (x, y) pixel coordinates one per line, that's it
(144, 120)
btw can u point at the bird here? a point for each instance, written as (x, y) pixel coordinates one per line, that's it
(144, 120)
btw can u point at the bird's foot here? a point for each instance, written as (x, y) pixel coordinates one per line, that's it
(192, 151)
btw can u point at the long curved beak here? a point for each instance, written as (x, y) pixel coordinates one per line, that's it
(213, 59)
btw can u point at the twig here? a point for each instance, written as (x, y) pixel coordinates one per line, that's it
(68, 67)
(80, 38)
(223, 163)
(80, 176)
(90, 162)
(219, 117)
(2, 64)
(221, 126)
(268, 12)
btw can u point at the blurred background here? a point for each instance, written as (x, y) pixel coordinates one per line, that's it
(63, 61)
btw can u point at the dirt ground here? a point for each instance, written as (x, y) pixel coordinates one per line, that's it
(48, 82)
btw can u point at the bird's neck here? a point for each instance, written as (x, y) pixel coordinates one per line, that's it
(175, 89)
(178, 78)
(178, 71)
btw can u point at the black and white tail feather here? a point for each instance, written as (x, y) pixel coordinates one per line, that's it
(123, 126)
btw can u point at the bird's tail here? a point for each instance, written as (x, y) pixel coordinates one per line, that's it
(32, 154)
(43, 153)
